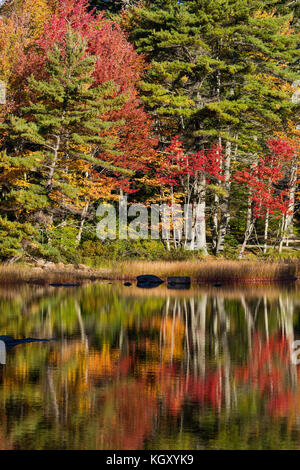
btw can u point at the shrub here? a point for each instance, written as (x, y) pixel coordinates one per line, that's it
(94, 252)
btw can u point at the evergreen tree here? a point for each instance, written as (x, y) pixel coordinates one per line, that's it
(59, 135)
(220, 70)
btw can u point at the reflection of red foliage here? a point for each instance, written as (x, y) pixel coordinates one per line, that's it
(134, 408)
(124, 366)
(280, 404)
(176, 387)
(265, 370)
(208, 390)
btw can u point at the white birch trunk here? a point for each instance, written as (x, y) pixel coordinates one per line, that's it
(292, 193)
(53, 163)
(200, 220)
(225, 214)
(82, 221)
(266, 231)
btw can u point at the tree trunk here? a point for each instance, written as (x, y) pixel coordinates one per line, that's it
(282, 232)
(199, 238)
(82, 221)
(225, 214)
(248, 232)
(292, 192)
(53, 164)
(214, 224)
(266, 231)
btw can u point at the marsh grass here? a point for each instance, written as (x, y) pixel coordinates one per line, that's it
(208, 271)
(212, 270)
(19, 274)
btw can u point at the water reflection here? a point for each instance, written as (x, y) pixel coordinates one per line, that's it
(133, 369)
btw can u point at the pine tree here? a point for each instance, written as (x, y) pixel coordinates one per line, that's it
(60, 133)
(220, 71)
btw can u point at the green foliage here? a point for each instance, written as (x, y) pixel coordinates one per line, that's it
(217, 67)
(14, 238)
(66, 109)
(44, 251)
(218, 72)
(95, 252)
(231, 247)
(56, 139)
(63, 240)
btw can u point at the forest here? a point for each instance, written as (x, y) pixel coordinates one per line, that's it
(166, 102)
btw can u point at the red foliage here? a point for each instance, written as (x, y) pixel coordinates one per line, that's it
(263, 176)
(117, 61)
(178, 165)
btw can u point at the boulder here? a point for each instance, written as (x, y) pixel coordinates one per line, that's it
(148, 281)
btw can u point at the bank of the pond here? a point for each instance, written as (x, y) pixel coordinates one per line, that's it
(210, 271)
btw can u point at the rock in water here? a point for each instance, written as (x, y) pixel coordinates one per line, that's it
(11, 342)
(179, 282)
(127, 284)
(148, 281)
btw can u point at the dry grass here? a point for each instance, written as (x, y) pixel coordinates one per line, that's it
(19, 274)
(211, 271)
(200, 271)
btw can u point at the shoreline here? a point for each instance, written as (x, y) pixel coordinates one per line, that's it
(201, 272)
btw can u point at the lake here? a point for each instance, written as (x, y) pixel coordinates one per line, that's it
(130, 368)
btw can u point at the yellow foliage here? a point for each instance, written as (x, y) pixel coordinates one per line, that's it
(23, 23)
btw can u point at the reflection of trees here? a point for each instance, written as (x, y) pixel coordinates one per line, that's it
(217, 333)
(128, 368)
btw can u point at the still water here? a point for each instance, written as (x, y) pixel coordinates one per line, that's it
(136, 369)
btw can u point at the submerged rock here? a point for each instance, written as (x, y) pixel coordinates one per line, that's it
(10, 342)
(179, 281)
(127, 284)
(179, 286)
